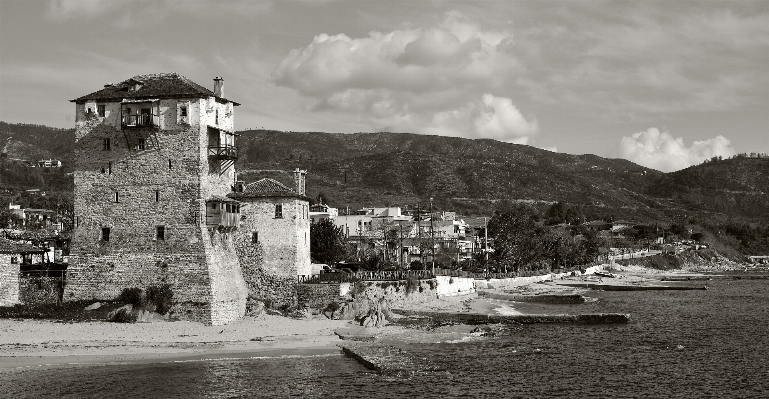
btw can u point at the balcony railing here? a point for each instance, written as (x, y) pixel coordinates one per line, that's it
(223, 152)
(139, 120)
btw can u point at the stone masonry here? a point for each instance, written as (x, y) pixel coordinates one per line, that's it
(273, 241)
(152, 153)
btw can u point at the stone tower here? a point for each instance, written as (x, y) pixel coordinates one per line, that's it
(155, 159)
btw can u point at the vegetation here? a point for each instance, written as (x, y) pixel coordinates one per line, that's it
(327, 242)
(523, 243)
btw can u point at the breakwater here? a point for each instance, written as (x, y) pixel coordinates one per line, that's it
(477, 318)
(609, 287)
(542, 298)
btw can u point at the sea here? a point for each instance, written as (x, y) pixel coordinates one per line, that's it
(680, 344)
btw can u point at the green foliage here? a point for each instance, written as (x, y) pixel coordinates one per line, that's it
(327, 242)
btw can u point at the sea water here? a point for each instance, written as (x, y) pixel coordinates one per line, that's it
(681, 344)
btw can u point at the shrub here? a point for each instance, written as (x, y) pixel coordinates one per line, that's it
(132, 296)
(332, 307)
(124, 315)
(412, 284)
(160, 298)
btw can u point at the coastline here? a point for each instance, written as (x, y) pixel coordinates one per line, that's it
(28, 343)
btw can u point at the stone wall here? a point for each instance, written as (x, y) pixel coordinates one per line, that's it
(284, 241)
(317, 296)
(451, 286)
(9, 280)
(505, 283)
(35, 290)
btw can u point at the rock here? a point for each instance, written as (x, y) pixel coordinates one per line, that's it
(93, 306)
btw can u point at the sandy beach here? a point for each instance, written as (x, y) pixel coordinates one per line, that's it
(26, 343)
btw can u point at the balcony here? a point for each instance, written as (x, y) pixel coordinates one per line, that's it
(139, 120)
(228, 152)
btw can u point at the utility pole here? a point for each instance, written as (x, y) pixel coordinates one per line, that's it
(486, 239)
(432, 235)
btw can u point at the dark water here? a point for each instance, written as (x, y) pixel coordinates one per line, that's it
(681, 344)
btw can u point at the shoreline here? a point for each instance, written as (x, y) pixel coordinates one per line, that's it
(28, 344)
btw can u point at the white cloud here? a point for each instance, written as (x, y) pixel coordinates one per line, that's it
(661, 151)
(441, 80)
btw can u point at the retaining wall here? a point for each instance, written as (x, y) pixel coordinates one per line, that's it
(452, 286)
(505, 283)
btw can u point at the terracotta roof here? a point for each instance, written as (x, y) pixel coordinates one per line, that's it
(265, 188)
(11, 247)
(153, 85)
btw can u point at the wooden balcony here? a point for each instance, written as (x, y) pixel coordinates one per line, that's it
(139, 120)
(229, 153)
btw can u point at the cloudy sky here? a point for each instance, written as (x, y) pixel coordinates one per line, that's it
(663, 84)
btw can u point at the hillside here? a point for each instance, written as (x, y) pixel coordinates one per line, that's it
(34, 142)
(737, 187)
(472, 176)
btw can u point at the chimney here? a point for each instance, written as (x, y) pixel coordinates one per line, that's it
(299, 179)
(218, 86)
(240, 186)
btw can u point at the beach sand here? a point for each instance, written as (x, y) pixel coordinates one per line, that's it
(25, 343)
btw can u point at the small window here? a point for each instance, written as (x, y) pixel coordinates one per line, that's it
(140, 144)
(183, 111)
(117, 196)
(157, 195)
(255, 237)
(109, 166)
(278, 211)
(213, 205)
(102, 110)
(105, 233)
(217, 117)
(169, 164)
(14, 260)
(160, 233)
(107, 144)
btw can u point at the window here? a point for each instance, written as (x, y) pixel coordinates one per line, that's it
(140, 144)
(278, 211)
(105, 233)
(110, 167)
(157, 195)
(183, 111)
(213, 205)
(106, 142)
(160, 233)
(255, 237)
(102, 110)
(117, 196)
(169, 164)
(216, 122)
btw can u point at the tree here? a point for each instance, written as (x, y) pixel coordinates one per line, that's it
(516, 238)
(327, 242)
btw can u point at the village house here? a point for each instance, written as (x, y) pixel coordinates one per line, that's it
(273, 240)
(154, 161)
(12, 256)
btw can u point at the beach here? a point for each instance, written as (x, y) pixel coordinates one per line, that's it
(29, 343)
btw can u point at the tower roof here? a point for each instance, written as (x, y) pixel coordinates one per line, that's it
(158, 85)
(266, 188)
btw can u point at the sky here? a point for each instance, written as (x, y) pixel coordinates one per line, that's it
(665, 84)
